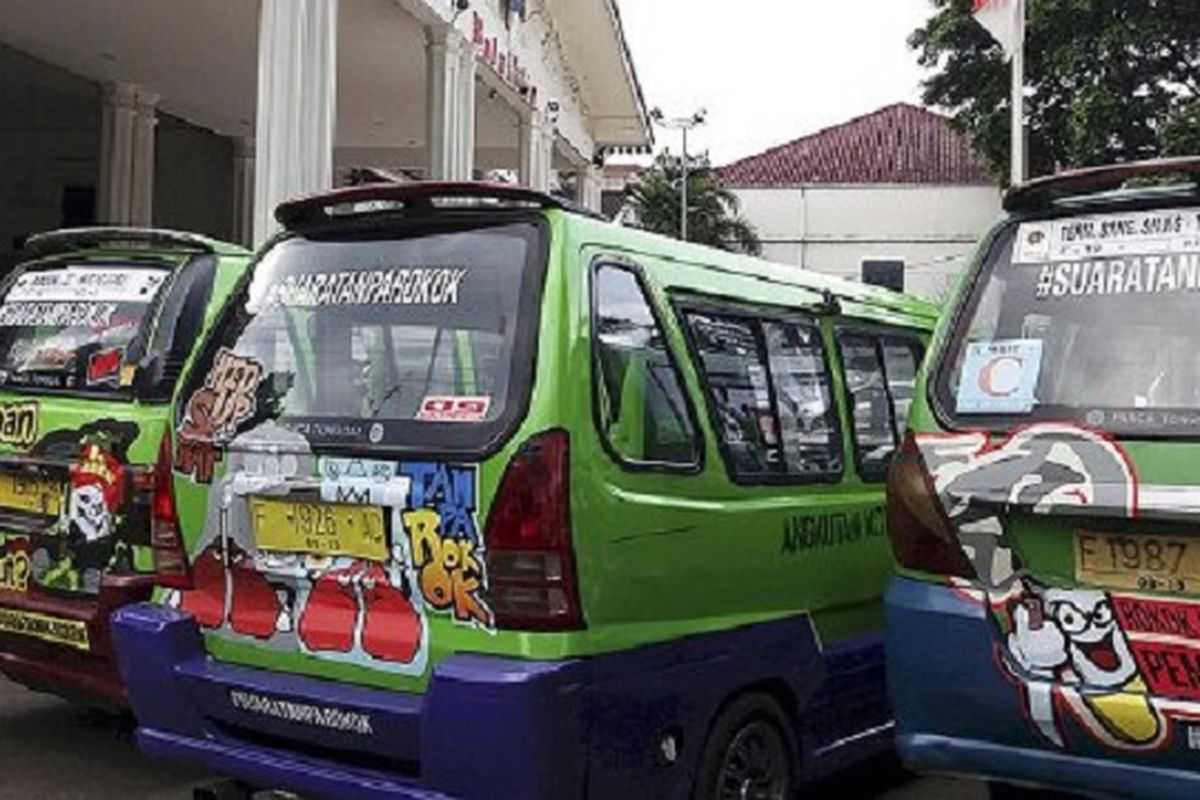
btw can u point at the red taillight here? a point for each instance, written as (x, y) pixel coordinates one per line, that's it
(166, 540)
(921, 535)
(530, 560)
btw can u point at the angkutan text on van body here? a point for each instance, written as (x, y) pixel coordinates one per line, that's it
(436, 286)
(1119, 276)
(819, 531)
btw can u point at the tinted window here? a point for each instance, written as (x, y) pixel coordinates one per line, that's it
(807, 416)
(1085, 318)
(769, 394)
(641, 406)
(871, 408)
(880, 371)
(407, 340)
(74, 326)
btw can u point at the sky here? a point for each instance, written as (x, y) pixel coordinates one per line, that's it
(769, 71)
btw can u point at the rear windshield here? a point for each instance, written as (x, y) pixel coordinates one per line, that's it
(410, 341)
(75, 326)
(1085, 318)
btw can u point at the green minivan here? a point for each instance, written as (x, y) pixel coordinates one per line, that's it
(95, 327)
(1045, 625)
(486, 497)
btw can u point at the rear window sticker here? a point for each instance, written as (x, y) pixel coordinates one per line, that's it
(213, 413)
(81, 315)
(999, 377)
(1141, 233)
(88, 284)
(1149, 274)
(405, 286)
(454, 409)
(104, 366)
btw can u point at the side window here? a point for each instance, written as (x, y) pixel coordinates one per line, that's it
(808, 420)
(901, 358)
(641, 407)
(769, 395)
(735, 370)
(880, 372)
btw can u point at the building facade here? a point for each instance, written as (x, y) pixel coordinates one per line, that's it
(204, 116)
(896, 197)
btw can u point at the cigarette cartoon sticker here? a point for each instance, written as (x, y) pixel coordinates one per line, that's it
(1084, 654)
(350, 575)
(214, 413)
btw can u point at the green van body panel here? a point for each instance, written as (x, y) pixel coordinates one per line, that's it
(660, 556)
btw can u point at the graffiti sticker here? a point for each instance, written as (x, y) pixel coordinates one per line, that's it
(364, 608)
(15, 569)
(1119, 665)
(18, 423)
(214, 412)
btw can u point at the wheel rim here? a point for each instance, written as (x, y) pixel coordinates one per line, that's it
(755, 766)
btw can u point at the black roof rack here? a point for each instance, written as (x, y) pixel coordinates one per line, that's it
(316, 209)
(50, 242)
(1042, 192)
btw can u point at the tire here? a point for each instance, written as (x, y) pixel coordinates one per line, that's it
(750, 753)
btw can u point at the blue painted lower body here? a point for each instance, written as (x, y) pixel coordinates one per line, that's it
(487, 727)
(960, 711)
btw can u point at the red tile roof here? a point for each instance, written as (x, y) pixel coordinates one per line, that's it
(900, 143)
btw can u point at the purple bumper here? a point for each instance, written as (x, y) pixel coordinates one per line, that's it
(487, 727)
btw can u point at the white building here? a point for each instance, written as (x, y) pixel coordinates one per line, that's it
(896, 194)
(204, 115)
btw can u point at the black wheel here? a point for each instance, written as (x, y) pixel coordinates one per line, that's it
(750, 753)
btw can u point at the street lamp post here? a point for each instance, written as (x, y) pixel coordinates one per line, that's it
(684, 124)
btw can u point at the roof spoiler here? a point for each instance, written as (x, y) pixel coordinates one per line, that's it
(61, 241)
(416, 195)
(1042, 192)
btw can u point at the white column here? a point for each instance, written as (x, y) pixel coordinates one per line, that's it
(243, 191)
(536, 143)
(589, 188)
(297, 103)
(449, 104)
(141, 200)
(117, 134)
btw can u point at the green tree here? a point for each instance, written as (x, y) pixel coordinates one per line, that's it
(714, 213)
(1106, 80)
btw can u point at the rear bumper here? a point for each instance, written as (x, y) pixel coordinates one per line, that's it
(88, 675)
(487, 727)
(960, 711)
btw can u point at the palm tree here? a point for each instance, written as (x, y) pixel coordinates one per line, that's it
(714, 216)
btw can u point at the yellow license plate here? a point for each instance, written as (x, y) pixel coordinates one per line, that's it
(31, 493)
(327, 529)
(67, 632)
(1146, 562)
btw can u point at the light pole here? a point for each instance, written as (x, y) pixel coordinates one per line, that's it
(684, 124)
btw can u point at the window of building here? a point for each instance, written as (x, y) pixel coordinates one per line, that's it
(769, 396)
(880, 375)
(642, 410)
(885, 272)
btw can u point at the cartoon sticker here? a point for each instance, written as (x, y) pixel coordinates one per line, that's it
(454, 409)
(214, 412)
(1117, 665)
(999, 377)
